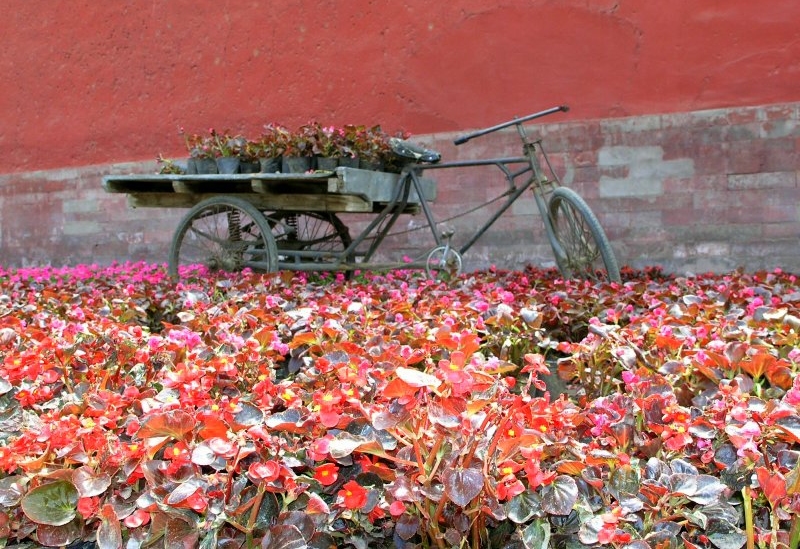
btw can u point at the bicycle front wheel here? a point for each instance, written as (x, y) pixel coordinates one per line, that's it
(443, 263)
(581, 247)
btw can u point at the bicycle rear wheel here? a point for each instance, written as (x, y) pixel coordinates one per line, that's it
(581, 247)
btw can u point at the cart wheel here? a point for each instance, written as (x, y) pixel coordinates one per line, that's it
(224, 233)
(320, 232)
(443, 263)
(581, 248)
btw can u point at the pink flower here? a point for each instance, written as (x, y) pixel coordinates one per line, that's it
(792, 396)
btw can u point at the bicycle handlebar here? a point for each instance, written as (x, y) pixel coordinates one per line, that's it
(465, 138)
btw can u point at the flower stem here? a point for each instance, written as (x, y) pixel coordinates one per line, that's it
(481, 429)
(432, 457)
(794, 535)
(748, 517)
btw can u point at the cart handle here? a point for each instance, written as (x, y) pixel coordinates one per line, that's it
(465, 138)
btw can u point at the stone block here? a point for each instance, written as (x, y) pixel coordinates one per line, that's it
(627, 155)
(762, 180)
(634, 124)
(82, 228)
(612, 187)
(80, 206)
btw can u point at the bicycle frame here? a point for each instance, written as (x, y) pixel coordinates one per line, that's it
(543, 181)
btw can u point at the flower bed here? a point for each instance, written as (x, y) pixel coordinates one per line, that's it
(391, 411)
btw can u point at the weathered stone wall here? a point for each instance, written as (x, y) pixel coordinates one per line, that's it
(710, 190)
(101, 83)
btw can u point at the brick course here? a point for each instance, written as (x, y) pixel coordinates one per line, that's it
(701, 191)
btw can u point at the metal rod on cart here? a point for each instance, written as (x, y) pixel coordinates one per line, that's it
(389, 215)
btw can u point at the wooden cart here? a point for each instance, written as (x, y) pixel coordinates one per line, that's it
(289, 221)
(275, 221)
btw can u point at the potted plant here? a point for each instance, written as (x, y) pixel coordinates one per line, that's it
(228, 150)
(299, 153)
(328, 146)
(248, 159)
(373, 148)
(201, 156)
(168, 166)
(271, 146)
(350, 145)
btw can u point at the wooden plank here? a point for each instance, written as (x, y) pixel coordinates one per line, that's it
(206, 187)
(283, 186)
(289, 202)
(210, 182)
(130, 186)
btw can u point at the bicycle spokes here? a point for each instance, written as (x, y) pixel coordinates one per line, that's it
(581, 246)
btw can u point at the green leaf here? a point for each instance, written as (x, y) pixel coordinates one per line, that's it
(11, 489)
(109, 532)
(299, 520)
(283, 421)
(57, 536)
(210, 541)
(463, 485)
(268, 511)
(202, 454)
(536, 534)
(559, 497)
(55, 503)
(523, 507)
(89, 483)
(589, 531)
(180, 533)
(248, 416)
(284, 536)
(624, 481)
(727, 538)
(183, 491)
(709, 490)
(695, 516)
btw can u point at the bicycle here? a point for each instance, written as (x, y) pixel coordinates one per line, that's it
(579, 244)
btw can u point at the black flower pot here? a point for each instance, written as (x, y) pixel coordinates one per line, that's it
(296, 164)
(205, 165)
(271, 164)
(228, 164)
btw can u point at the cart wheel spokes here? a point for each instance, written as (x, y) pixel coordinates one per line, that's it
(321, 233)
(582, 249)
(443, 263)
(223, 234)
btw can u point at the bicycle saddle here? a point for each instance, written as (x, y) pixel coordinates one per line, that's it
(418, 153)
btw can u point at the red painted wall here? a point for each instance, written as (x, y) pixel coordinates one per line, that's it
(88, 82)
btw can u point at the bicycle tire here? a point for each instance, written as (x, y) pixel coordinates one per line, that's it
(223, 233)
(443, 263)
(581, 246)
